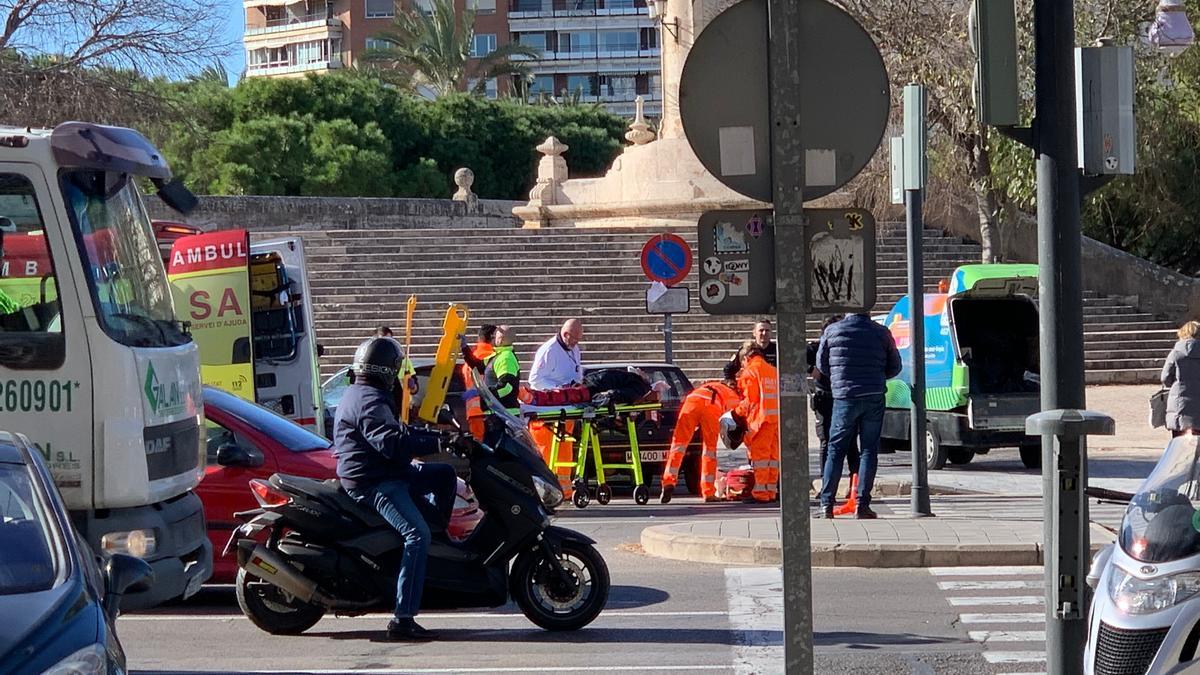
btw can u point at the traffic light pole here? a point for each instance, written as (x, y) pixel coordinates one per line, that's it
(791, 265)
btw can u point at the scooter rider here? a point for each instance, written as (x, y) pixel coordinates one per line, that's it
(375, 466)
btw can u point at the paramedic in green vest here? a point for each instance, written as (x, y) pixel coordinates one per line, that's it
(502, 372)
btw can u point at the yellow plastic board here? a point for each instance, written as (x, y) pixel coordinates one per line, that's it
(454, 328)
(406, 376)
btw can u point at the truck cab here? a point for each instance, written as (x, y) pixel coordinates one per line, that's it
(981, 365)
(94, 367)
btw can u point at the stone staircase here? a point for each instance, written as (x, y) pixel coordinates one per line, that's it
(534, 279)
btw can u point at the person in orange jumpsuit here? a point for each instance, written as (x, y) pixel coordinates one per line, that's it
(474, 358)
(759, 413)
(701, 409)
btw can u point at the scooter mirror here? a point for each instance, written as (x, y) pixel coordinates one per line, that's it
(446, 416)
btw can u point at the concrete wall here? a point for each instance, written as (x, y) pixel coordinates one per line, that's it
(278, 214)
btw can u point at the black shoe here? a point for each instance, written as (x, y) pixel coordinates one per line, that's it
(827, 513)
(408, 630)
(668, 491)
(865, 513)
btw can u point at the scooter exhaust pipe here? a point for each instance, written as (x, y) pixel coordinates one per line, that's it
(269, 567)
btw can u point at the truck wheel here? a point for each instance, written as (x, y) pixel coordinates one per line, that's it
(1031, 456)
(935, 454)
(959, 456)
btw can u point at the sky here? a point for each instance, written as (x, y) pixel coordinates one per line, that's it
(235, 61)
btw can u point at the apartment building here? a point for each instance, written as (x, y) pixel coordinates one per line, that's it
(602, 51)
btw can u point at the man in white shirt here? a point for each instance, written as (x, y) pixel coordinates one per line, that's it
(557, 364)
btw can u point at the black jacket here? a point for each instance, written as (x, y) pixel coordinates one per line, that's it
(371, 445)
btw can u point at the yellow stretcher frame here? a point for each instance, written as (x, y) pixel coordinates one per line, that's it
(454, 328)
(589, 444)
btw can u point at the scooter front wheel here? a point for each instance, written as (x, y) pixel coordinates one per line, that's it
(271, 609)
(561, 599)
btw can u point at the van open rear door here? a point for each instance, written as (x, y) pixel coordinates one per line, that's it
(285, 348)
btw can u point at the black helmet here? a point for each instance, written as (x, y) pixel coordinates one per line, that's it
(377, 360)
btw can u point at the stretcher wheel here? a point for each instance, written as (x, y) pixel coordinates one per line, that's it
(581, 499)
(641, 495)
(579, 485)
(604, 494)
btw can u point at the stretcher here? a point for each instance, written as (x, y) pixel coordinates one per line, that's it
(589, 444)
(454, 327)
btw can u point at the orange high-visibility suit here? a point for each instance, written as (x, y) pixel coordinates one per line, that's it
(702, 408)
(475, 413)
(759, 383)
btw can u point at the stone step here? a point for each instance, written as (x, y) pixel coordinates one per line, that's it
(1112, 376)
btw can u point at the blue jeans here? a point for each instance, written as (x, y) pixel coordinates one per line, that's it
(861, 417)
(394, 501)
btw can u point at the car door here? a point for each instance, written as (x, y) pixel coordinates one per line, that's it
(225, 489)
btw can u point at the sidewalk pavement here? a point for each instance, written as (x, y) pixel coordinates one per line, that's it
(845, 542)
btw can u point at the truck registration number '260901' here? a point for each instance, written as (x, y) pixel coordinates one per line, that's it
(36, 395)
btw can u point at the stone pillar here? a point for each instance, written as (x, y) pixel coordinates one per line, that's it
(464, 178)
(551, 174)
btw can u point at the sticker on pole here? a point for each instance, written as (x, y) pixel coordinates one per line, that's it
(666, 258)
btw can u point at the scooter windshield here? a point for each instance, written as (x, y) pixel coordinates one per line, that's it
(1162, 522)
(516, 428)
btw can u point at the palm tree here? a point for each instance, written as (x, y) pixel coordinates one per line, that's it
(435, 47)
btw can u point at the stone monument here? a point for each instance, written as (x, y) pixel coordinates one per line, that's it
(654, 182)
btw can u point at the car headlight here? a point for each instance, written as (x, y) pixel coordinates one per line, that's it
(550, 495)
(1144, 596)
(87, 661)
(137, 543)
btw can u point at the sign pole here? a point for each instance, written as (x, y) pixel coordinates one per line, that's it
(785, 37)
(914, 192)
(668, 354)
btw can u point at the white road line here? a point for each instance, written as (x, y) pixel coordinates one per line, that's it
(1021, 570)
(980, 600)
(987, 585)
(755, 597)
(1002, 618)
(1007, 635)
(1014, 657)
(427, 615)
(493, 669)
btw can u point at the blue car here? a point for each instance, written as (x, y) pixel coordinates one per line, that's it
(58, 602)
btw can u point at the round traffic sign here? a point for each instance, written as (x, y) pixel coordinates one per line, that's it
(666, 258)
(724, 103)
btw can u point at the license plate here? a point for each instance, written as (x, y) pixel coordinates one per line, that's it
(193, 586)
(648, 456)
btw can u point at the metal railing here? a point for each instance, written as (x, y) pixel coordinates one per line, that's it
(292, 23)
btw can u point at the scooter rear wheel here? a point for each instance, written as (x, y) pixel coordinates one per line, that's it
(273, 610)
(555, 603)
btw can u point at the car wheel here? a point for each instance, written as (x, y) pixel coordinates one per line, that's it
(959, 456)
(935, 454)
(1031, 456)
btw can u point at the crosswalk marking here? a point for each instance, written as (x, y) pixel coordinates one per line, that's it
(981, 600)
(1001, 617)
(986, 636)
(1019, 570)
(1014, 657)
(987, 585)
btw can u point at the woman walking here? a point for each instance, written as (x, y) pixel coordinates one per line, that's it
(1181, 374)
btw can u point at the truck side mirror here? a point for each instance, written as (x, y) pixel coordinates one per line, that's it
(231, 454)
(124, 574)
(176, 195)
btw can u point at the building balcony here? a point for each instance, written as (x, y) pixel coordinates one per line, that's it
(549, 12)
(318, 26)
(285, 69)
(593, 55)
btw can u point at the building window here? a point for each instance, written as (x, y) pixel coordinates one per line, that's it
(619, 87)
(376, 43)
(619, 41)
(380, 9)
(586, 85)
(482, 6)
(482, 45)
(531, 6)
(542, 84)
(649, 38)
(535, 40)
(618, 4)
(577, 43)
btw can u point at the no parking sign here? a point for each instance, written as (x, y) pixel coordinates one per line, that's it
(666, 258)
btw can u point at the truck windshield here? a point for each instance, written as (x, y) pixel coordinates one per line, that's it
(120, 257)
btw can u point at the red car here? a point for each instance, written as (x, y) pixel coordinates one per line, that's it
(248, 441)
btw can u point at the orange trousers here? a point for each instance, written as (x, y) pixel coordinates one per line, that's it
(705, 417)
(763, 448)
(543, 435)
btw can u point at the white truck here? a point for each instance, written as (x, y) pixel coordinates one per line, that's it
(94, 366)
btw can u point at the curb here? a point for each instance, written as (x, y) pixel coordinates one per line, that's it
(889, 487)
(660, 542)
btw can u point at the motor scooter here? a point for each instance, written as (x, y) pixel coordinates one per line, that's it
(1145, 610)
(312, 548)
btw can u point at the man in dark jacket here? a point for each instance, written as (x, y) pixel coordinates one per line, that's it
(375, 466)
(822, 405)
(858, 356)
